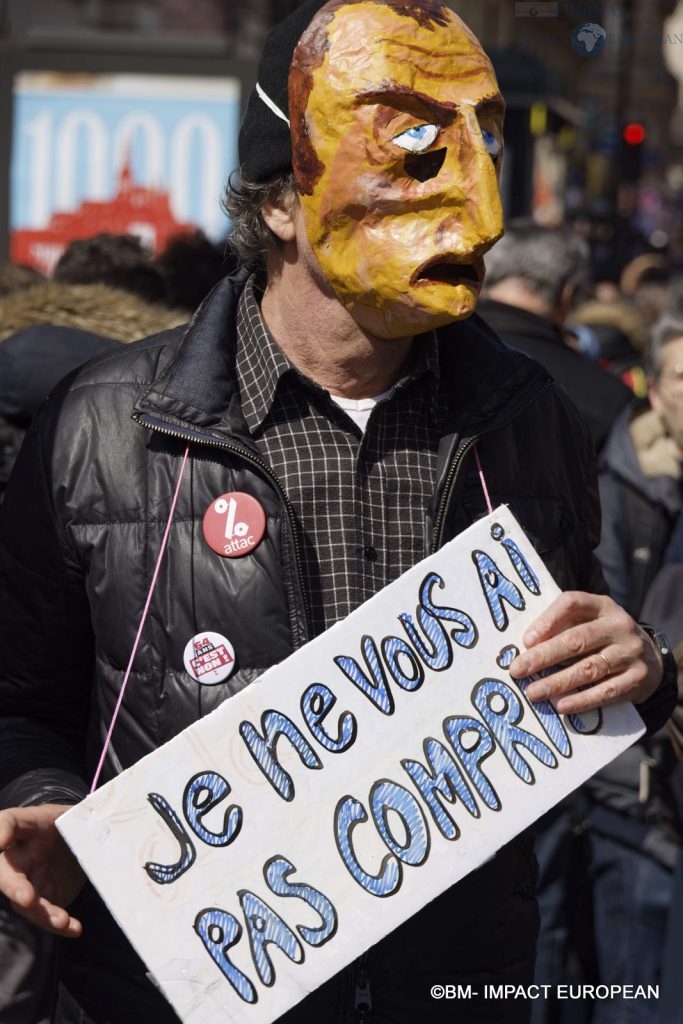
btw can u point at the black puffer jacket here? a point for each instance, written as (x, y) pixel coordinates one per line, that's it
(80, 529)
(598, 395)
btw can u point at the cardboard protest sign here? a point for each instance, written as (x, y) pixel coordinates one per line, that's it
(267, 846)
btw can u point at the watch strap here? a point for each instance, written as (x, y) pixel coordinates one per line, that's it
(658, 707)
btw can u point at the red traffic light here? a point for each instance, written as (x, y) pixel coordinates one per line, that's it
(634, 134)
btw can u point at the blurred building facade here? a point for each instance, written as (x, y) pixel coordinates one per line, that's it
(570, 112)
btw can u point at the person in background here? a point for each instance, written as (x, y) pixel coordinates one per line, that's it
(647, 281)
(340, 386)
(119, 261)
(26, 951)
(620, 339)
(664, 605)
(640, 473)
(107, 285)
(15, 276)
(634, 805)
(50, 327)
(192, 265)
(533, 277)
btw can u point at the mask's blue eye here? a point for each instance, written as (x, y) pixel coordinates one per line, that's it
(493, 144)
(417, 139)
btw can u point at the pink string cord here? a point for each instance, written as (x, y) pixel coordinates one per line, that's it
(482, 480)
(148, 602)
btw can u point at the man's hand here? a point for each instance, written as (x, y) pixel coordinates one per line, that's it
(38, 873)
(604, 656)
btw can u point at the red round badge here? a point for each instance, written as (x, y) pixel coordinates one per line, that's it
(234, 524)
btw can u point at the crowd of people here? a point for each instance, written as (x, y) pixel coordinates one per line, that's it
(105, 290)
(608, 855)
(366, 315)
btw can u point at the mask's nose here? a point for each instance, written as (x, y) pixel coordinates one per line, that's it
(480, 215)
(484, 207)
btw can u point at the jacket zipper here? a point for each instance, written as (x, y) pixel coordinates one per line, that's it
(149, 421)
(362, 1003)
(463, 448)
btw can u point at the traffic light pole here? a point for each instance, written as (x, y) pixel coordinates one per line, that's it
(622, 99)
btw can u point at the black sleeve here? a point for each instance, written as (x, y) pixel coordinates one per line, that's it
(594, 582)
(663, 608)
(46, 639)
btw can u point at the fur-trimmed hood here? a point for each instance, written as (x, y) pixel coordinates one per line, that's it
(656, 450)
(97, 308)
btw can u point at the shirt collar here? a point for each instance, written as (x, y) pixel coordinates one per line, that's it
(261, 364)
(428, 365)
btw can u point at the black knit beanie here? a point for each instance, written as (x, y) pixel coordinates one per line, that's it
(265, 148)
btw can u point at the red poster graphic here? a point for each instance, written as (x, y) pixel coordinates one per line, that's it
(145, 155)
(133, 210)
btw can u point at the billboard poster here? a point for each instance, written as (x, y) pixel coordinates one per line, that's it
(146, 155)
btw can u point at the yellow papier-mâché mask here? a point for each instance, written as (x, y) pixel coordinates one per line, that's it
(397, 143)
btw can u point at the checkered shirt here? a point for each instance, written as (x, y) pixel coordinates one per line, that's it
(359, 499)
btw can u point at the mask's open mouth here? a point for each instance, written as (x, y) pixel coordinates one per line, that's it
(448, 270)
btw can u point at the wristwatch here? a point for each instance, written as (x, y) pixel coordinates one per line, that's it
(661, 642)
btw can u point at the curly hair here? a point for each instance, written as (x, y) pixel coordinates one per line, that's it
(250, 236)
(15, 276)
(121, 261)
